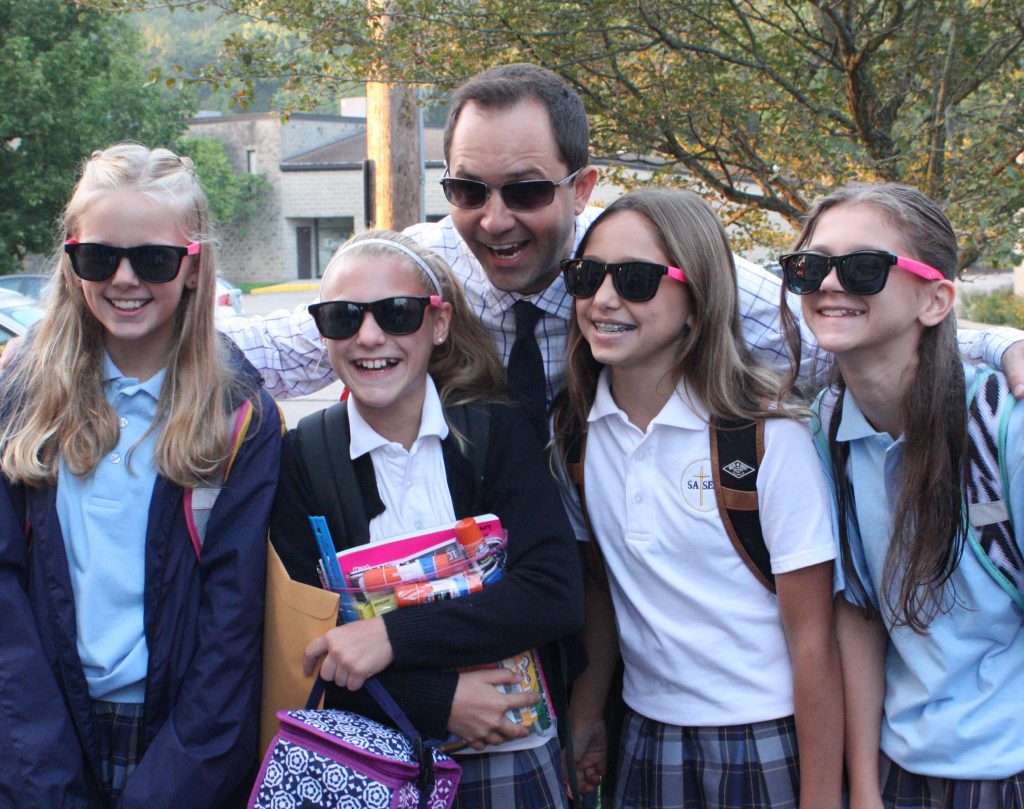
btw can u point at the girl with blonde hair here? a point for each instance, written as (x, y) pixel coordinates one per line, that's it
(132, 612)
(731, 673)
(400, 336)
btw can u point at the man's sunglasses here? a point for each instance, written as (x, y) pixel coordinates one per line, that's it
(863, 272)
(522, 195)
(635, 281)
(339, 320)
(153, 263)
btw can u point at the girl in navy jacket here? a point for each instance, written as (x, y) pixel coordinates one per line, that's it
(131, 609)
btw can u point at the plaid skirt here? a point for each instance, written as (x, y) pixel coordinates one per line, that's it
(119, 735)
(524, 778)
(733, 767)
(905, 790)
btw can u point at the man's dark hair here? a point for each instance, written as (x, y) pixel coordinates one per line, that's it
(504, 87)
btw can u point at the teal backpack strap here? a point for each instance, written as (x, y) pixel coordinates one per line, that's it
(990, 533)
(198, 502)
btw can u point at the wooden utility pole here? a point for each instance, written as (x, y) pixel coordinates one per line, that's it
(393, 144)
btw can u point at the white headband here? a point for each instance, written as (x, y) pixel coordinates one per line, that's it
(388, 243)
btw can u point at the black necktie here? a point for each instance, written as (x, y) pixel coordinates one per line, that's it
(526, 367)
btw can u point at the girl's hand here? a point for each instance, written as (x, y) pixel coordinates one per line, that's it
(590, 743)
(353, 652)
(478, 708)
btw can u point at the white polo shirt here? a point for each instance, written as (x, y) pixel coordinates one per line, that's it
(701, 638)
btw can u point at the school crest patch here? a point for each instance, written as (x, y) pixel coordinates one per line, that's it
(698, 486)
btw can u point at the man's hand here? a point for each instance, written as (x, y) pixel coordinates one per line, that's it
(353, 652)
(1013, 367)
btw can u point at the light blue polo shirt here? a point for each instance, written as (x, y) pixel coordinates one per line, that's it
(954, 696)
(103, 516)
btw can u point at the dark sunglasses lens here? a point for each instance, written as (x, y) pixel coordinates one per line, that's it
(399, 315)
(528, 195)
(464, 193)
(155, 263)
(93, 262)
(583, 278)
(864, 273)
(337, 320)
(638, 281)
(804, 272)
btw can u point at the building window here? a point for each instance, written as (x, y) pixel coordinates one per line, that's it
(251, 163)
(330, 234)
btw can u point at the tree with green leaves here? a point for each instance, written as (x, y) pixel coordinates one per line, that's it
(69, 84)
(234, 199)
(760, 104)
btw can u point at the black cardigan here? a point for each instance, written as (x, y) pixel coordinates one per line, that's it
(536, 603)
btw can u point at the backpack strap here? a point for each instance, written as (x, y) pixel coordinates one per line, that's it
(737, 449)
(198, 501)
(990, 534)
(324, 443)
(473, 422)
(576, 444)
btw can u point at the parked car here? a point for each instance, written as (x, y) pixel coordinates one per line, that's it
(17, 313)
(32, 285)
(229, 299)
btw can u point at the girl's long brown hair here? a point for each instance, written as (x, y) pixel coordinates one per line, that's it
(711, 353)
(929, 521)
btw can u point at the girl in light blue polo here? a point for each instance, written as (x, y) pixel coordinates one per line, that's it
(932, 646)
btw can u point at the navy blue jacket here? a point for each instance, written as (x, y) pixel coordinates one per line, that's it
(203, 623)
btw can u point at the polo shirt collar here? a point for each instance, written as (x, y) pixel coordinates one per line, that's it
(683, 410)
(365, 439)
(854, 424)
(113, 378)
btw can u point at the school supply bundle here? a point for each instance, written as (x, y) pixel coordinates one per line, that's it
(337, 759)
(445, 562)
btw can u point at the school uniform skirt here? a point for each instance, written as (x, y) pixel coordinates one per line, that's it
(906, 790)
(736, 767)
(119, 737)
(523, 779)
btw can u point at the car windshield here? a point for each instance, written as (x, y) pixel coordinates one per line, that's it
(25, 315)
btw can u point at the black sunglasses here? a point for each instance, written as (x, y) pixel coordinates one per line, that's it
(522, 195)
(153, 263)
(635, 281)
(339, 320)
(863, 272)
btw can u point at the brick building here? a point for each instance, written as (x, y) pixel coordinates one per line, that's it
(314, 164)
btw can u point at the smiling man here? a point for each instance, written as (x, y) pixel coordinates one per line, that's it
(516, 144)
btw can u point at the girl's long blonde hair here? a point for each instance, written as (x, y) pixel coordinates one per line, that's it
(711, 354)
(465, 367)
(52, 399)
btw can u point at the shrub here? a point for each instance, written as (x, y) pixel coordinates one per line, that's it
(995, 308)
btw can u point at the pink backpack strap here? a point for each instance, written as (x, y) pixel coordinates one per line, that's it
(199, 500)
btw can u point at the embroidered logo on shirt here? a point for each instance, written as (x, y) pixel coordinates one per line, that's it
(738, 469)
(698, 486)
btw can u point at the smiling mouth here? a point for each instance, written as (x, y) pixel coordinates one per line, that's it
(374, 365)
(613, 328)
(840, 312)
(127, 305)
(506, 251)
